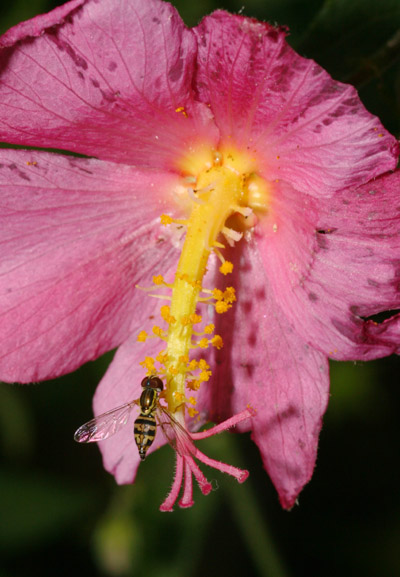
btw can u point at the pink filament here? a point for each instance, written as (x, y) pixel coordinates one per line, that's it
(239, 474)
(246, 414)
(187, 497)
(169, 502)
(205, 486)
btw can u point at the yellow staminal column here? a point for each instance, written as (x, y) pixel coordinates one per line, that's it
(221, 191)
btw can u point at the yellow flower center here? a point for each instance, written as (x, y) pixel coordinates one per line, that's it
(223, 186)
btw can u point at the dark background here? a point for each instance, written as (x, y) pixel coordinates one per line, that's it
(62, 514)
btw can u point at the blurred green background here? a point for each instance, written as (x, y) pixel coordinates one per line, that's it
(62, 514)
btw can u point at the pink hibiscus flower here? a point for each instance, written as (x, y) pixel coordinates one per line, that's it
(278, 240)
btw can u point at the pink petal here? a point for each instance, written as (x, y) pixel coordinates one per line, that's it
(267, 365)
(76, 237)
(305, 127)
(35, 27)
(335, 263)
(388, 331)
(107, 79)
(121, 384)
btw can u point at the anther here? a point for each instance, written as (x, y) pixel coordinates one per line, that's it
(193, 195)
(229, 295)
(166, 219)
(182, 109)
(162, 358)
(179, 398)
(221, 307)
(166, 315)
(217, 342)
(204, 375)
(231, 235)
(158, 332)
(226, 267)
(190, 320)
(158, 279)
(245, 211)
(149, 365)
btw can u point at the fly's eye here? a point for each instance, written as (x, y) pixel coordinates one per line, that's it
(152, 383)
(156, 383)
(145, 382)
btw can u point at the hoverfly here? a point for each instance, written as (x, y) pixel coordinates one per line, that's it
(152, 413)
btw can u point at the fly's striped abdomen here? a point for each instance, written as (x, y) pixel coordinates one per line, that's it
(145, 431)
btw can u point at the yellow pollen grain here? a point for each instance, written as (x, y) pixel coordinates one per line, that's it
(230, 295)
(205, 375)
(226, 267)
(158, 279)
(217, 342)
(193, 365)
(203, 343)
(166, 315)
(178, 397)
(142, 336)
(252, 410)
(149, 365)
(193, 283)
(191, 385)
(218, 294)
(192, 412)
(158, 332)
(166, 219)
(162, 358)
(182, 109)
(209, 329)
(221, 307)
(186, 320)
(194, 319)
(196, 384)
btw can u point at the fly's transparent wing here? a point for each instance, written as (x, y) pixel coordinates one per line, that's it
(175, 433)
(105, 425)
